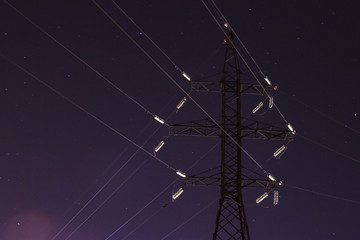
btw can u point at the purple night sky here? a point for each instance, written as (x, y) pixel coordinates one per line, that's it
(55, 157)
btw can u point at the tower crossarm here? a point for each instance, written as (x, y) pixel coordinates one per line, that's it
(204, 127)
(248, 182)
(212, 177)
(250, 129)
(246, 88)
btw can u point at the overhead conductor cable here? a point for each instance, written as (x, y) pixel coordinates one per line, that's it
(80, 59)
(173, 80)
(246, 64)
(91, 115)
(154, 43)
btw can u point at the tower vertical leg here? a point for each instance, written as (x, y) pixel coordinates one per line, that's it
(231, 219)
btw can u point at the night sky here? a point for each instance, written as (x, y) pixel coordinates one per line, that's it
(59, 148)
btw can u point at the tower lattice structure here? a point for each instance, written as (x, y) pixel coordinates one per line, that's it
(231, 175)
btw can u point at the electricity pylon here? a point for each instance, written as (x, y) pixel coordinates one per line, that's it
(232, 128)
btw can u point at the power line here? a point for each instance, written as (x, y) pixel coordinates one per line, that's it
(173, 80)
(142, 209)
(154, 61)
(138, 226)
(100, 190)
(169, 117)
(319, 194)
(112, 177)
(320, 112)
(322, 194)
(97, 119)
(189, 219)
(106, 199)
(126, 148)
(143, 33)
(87, 112)
(329, 149)
(154, 43)
(238, 38)
(157, 64)
(228, 26)
(138, 212)
(98, 73)
(242, 58)
(329, 118)
(80, 59)
(280, 112)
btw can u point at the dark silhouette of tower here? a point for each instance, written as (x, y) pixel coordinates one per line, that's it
(232, 128)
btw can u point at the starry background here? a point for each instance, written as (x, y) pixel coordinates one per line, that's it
(54, 157)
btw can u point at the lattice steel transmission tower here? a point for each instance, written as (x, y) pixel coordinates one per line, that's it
(232, 176)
